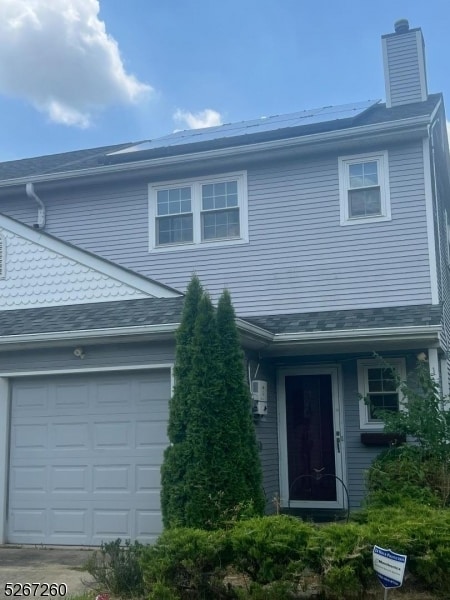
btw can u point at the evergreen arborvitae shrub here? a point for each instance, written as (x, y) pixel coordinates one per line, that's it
(211, 470)
(237, 449)
(173, 470)
(203, 472)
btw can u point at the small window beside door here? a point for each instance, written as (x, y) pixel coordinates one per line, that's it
(378, 390)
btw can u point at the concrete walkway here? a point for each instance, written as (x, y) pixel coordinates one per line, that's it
(31, 564)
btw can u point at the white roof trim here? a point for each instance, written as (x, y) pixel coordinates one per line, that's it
(277, 339)
(379, 332)
(296, 141)
(87, 259)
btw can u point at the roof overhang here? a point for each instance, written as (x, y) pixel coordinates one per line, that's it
(339, 341)
(252, 336)
(342, 139)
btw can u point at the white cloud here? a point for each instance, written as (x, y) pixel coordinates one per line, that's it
(448, 130)
(57, 55)
(203, 118)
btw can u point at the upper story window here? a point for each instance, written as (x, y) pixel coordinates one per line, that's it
(198, 212)
(377, 385)
(364, 188)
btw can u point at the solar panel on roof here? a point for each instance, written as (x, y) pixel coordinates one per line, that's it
(264, 124)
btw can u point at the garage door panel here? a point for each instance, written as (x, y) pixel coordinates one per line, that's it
(90, 470)
(113, 394)
(113, 434)
(69, 398)
(148, 525)
(69, 522)
(151, 433)
(69, 436)
(30, 522)
(148, 478)
(29, 437)
(114, 479)
(31, 396)
(29, 478)
(69, 479)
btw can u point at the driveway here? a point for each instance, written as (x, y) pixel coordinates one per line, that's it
(31, 564)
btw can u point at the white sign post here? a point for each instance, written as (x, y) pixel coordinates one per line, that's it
(389, 567)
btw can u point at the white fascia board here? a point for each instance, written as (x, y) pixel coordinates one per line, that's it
(360, 334)
(249, 328)
(277, 338)
(60, 336)
(340, 134)
(89, 260)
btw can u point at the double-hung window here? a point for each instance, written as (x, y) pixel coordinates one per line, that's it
(364, 188)
(198, 212)
(174, 216)
(378, 389)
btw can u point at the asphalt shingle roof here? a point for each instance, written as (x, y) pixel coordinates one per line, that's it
(96, 157)
(338, 320)
(160, 311)
(99, 315)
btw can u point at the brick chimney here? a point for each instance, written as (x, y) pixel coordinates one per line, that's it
(404, 65)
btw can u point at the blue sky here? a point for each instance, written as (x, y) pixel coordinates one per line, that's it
(84, 73)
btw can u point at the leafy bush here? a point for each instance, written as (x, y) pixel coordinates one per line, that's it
(399, 475)
(188, 562)
(280, 557)
(264, 547)
(116, 568)
(418, 471)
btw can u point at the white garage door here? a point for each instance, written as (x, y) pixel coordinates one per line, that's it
(85, 457)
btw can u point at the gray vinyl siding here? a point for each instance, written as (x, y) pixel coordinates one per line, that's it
(267, 436)
(298, 257)
(96, 357)
(403, 77)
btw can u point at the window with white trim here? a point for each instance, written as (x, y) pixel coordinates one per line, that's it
(377, 386)
(364, 188)
(207, 211)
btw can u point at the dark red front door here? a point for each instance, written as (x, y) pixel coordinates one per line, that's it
(310, 438)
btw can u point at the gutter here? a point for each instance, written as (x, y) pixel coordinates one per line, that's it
(360, 334)
(341, 134)
(277, 339)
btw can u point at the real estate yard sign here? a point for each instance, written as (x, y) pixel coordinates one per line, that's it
(389, 567)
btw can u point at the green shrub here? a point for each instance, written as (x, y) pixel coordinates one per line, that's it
(116, 568)
(265, 547)
(187, 563)
(212, 464)
(279, 590)
(341, 582)
(420, 471)
(276, 557)
(400, 475)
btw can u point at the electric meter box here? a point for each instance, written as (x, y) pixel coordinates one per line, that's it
(259, 396)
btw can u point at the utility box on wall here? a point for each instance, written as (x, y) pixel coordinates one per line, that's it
(259, 396)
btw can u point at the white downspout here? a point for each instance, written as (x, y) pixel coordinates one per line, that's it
(29, 188)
